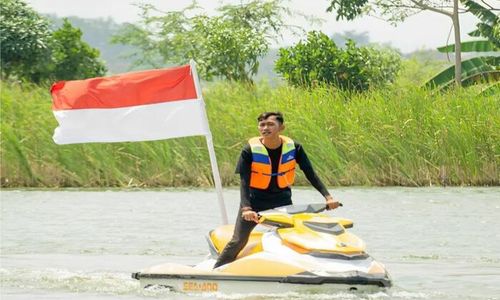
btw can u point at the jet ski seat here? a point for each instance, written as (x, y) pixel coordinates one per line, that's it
(220, 236)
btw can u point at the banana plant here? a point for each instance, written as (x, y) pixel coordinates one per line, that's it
(476, 69)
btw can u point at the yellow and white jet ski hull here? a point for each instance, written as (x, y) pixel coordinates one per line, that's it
(191, 283)
(202, 278)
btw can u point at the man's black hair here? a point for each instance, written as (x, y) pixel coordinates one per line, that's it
(267, 114)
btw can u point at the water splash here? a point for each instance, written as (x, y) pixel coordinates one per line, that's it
(60, 279)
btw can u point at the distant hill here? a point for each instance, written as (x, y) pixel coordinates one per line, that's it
(98, 33)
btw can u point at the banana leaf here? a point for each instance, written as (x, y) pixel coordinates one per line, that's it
(483, 77)
(491, 90)
(484, 30)
(470, 67)
(471, 46)
(475, 33)
(483, 13)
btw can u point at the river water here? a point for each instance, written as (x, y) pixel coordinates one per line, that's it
(437, 243)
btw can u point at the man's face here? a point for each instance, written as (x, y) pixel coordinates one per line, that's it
(270, 127)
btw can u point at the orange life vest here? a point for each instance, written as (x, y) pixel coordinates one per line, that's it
(262, 168)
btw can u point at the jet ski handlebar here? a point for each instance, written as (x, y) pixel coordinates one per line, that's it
(281, 217)
(298, 209)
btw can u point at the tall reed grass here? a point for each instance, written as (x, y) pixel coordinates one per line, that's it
(394, 136)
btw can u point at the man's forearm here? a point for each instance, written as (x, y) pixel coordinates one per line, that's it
(245, 192)
(316, 182)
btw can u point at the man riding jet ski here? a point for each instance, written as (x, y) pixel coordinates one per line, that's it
(295, 248)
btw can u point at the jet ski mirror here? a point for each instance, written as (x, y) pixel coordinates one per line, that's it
(346, 223)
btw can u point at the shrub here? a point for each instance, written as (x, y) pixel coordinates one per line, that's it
(319, 60)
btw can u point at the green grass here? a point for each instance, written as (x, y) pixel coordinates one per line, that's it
(401, 135)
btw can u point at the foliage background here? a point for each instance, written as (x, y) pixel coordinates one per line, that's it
(393, 136)
(399, 134)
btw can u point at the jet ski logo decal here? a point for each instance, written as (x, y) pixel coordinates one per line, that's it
(192, 286)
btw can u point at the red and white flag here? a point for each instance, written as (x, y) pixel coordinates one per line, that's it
(139, 106)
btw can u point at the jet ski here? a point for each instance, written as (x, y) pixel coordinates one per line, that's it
(295, 248)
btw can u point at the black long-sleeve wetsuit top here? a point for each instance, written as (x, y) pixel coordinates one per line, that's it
(273, 196)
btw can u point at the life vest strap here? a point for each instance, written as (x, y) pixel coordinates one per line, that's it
(275, 174)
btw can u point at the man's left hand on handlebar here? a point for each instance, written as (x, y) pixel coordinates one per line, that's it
(331, 203)
(250, 215)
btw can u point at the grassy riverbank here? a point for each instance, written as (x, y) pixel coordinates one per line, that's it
(396, 136)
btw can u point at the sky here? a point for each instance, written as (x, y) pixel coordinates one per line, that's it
(426, 30)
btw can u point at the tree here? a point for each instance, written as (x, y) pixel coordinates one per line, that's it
(398, 10)
(31, 51)
(24, 39)
(227, 45)
(72, 58)
(319, 60)
(97, 33)
(482, 68)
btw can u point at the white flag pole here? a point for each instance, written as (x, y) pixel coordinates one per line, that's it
(210, 145)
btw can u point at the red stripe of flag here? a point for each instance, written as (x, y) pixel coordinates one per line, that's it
(130, 89)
